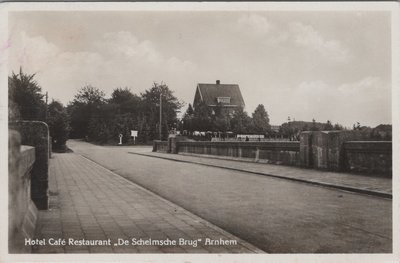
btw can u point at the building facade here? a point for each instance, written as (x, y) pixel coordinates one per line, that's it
(225, 96)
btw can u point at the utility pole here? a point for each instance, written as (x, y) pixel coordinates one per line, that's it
(45, 117)
(160, 130)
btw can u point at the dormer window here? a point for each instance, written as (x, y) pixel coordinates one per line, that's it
(224, 100)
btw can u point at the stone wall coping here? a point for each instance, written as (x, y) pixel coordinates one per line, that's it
(252, 143)
(284, 145)
(372, 142)
(331, 131)
(27, 158)
(29, 122)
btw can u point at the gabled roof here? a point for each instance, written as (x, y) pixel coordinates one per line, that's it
(210, 92)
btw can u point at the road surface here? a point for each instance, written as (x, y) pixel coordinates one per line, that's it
(276, 215)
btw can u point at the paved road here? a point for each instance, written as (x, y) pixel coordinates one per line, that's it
(367, 184)
(277, 215)
(88, 202)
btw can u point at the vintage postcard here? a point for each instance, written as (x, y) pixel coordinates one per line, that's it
(192, 132)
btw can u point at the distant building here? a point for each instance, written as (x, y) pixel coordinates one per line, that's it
(227, 96)
(275, 128)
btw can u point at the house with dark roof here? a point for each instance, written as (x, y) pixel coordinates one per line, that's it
(227, 96)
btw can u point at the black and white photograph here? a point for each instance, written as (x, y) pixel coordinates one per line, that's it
(244, 132)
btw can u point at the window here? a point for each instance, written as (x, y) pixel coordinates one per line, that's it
(225, 100)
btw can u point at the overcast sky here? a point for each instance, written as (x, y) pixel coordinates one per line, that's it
(323, 65)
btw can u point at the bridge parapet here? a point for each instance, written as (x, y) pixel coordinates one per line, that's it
(36, 134)
(22, 211)
(340, 151)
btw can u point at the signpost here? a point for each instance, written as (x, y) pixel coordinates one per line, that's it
(134, 135)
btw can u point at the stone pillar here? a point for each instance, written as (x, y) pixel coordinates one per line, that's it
(171, 140)
(328, 149)
(36, 134)
(156, 145)
(173, 143)
(336, 151)
(319, 149)
(306, 149)
(50, 146)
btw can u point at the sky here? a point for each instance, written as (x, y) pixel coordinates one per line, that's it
(322, 65)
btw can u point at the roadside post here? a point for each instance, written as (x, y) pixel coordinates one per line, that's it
(120, 139)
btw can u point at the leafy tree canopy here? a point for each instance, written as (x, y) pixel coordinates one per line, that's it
(261, 119)
(25, 97)
(126, 101)
(89, 95)
(241, 123)
(84, 107)
(58, 122)
(151, 107)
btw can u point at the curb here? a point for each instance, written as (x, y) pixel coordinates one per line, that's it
(340, 187)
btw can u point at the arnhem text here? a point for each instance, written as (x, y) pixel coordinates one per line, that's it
(127, 242)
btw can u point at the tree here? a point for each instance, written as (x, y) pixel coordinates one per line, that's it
(151, 108)
(187, 119)
(240, 122)
(220, 119)
(126, 101)
(221, 123)
(357, 126)
(25, 97)
(58, 124)
(328, 126)
(314, 126)
(337, 126)
(292, 130)
(202, 118)
(120, 95)
(83, 108)
(101, 128)
(90, 95)
(382, 132)
(261, 120)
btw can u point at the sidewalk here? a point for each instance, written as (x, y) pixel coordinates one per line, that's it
(89, 202)
(377, 186)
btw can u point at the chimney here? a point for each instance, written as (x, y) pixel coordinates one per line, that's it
(218, 82)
